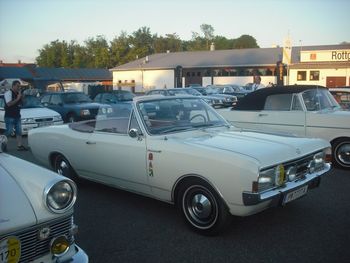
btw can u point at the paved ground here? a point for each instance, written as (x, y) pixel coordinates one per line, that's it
(117, 226)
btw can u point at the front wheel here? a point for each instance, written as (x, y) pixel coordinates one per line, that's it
(202, 208)
(341, 153)
(63, 167)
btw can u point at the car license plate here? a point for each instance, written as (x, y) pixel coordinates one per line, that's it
(43, 124)
(10, 250)
(295, 194)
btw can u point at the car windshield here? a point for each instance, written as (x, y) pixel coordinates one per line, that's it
(178, 114)
(177, 92)
(75, 98)
(213, 90)
(31, 102)
(319, 99)
(192, 92)
(124, 96)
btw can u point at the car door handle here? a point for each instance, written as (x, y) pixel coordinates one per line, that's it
(262, 114)
(90, 142)
(154, 151)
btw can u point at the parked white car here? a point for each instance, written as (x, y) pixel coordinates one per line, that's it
(33, 114)
(307, 111)
(180, 150)
(36, 214)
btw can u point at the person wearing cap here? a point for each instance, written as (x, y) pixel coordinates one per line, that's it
(13, 100)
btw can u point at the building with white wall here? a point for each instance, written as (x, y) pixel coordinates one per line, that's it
(322, 65)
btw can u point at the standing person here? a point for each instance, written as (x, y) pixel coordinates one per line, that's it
(13, 99)
(257, 84)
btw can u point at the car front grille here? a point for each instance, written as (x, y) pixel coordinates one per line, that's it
(39, 120)
(33, 248)
(301, 164)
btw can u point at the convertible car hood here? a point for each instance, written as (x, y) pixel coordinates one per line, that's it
(267, 149)
(37, 113)
(21, 200)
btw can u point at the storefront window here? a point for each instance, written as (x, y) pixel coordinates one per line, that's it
(301, 75)
(314, 75)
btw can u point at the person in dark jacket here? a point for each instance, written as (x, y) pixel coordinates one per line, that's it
(13, 100)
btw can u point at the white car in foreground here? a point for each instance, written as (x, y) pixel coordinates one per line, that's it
(36, 214)
(180, 150)
(303, 110)
(33, 114)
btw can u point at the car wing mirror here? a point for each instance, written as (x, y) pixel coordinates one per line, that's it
(135, 133)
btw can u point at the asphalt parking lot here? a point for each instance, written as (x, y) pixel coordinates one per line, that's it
(117, 226)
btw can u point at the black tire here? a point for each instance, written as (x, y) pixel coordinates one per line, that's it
(63, 167)
(341, 153)
(71, 118)
(202, 208)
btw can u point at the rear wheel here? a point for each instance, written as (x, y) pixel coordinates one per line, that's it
(202, 208)
(341, 153)
(63, 167)
(71, 118)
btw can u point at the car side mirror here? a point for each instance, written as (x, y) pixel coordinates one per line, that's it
(134, 133)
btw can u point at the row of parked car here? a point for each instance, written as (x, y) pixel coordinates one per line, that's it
(176, 149)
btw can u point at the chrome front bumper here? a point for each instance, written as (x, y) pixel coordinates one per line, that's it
(277, 195)
(78, 257)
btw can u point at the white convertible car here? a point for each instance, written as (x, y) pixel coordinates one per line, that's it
(36, 214)
(33, 114)
(307, 111)
(180, 150)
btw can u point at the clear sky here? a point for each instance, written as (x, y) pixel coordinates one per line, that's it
(27, 25)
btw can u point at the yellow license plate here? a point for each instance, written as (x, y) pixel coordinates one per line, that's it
(10, 250)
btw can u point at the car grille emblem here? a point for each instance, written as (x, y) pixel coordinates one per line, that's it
(44, 233)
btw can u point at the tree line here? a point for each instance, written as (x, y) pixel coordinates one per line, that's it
(96, 52)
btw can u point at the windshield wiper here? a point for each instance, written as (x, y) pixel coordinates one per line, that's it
(202, 125)
(173, 129)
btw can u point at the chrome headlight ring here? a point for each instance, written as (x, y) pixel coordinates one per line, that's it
(60, 195)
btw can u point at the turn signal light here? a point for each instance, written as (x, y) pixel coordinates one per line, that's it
(59, 246)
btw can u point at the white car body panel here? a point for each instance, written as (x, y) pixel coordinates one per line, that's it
(12, 200)
(327, 125)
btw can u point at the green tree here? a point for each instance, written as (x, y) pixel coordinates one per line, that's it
(141, 43)
(97, 52)
(120, 49)
(170, 42)
(245, 41)
(208, 32)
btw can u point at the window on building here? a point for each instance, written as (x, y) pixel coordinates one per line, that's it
(207, 73)
(301, 75)
(188, 74)
(314, 75)
(199, 74)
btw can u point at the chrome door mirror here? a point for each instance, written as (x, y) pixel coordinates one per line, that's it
(134, 133)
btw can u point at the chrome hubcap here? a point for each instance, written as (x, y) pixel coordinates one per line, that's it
(343, 153)
(62, 168)
(200, 206)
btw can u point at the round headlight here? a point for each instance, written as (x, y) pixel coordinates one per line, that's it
(291, 173)
(279, 175)
(60, 196)
(59, 246)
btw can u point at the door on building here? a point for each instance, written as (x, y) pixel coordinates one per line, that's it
(193, 77)
(333, 82)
